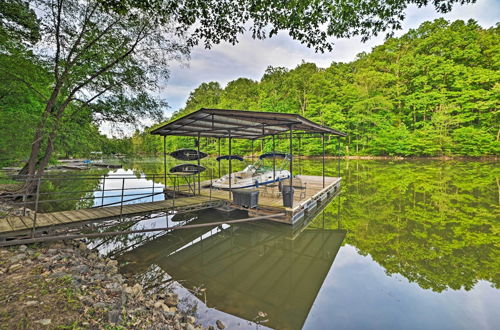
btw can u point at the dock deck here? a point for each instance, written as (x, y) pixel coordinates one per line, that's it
(270, 201)
(306, 198)
(21, 224)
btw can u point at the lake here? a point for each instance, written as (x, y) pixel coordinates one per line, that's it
(406, 245)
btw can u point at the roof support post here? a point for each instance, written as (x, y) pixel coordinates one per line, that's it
(299, 154)
(291, 157)
(274, 160)
(165, 161)
(338, 156)
(218, 155)
(230, 166)
(252, 149)
(323, 160)
(199, 173)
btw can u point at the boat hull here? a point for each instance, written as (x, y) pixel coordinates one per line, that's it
(253, 182)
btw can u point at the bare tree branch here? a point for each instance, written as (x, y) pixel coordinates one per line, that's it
(58, 37)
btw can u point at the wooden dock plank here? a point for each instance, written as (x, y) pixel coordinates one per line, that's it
(5, 225)
(269, 197)
(14, 223)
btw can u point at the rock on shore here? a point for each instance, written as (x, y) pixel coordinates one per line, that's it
(67, 285)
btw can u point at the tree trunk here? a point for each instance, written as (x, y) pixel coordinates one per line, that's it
(29, 170)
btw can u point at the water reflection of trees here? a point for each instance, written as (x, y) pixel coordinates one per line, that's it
(68, 191)
(435, 223)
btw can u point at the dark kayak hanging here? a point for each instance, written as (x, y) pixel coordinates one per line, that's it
(187, 154)
(187, 168)
(227, 157)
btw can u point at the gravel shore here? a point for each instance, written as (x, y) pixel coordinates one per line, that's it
(66, 285)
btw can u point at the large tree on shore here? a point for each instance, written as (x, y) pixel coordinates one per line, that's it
(108, 55)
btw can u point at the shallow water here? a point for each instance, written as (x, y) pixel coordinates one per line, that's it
(406, 245)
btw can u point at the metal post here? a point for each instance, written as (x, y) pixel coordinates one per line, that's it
(199, 174)
(211, 175)
(121, 202)
(165, 161)
(103, 188)
(153, 193)
(25, 198)
(252, 149)
(173, 198)
(323, 169)
(299, 154)
(291, 157)
(218, 155)
(338, 155)
(230, 165)
(36, 206)
(274, 161)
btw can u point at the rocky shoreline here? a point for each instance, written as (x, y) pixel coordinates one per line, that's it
(66, 285)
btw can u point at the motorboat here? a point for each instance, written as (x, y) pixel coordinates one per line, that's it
(257, 174)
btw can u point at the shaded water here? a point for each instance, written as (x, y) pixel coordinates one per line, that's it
(407, 244)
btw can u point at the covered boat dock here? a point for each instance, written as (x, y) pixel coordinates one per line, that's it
(219, 124)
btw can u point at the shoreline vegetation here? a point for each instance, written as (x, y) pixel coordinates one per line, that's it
(429, 93)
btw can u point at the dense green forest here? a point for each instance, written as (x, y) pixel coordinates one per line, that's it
(431, 92)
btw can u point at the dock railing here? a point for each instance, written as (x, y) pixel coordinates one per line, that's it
(104, 191)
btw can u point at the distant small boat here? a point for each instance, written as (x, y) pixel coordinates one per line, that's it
(187, 154)
(107, 165)
(187, 168)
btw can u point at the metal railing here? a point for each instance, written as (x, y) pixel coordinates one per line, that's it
(108, 190)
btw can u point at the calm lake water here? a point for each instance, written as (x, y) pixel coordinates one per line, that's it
(406, 245)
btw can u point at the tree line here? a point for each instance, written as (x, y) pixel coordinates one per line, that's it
(431, 92)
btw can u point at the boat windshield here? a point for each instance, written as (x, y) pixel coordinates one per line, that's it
(249, 168)
(263, 169)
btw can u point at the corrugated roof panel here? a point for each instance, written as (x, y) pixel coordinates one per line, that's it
(241, 124)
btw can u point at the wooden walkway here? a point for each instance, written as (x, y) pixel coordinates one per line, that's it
(24, 223)
(270, 202)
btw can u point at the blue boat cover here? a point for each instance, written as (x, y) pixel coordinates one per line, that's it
(227, 157)
(275, 154)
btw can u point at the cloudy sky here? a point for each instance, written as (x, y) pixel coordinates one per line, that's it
(249, 58)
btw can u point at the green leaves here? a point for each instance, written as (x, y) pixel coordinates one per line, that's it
(432, 92)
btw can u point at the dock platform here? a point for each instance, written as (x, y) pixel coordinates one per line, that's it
(22, 224)
(307, 197)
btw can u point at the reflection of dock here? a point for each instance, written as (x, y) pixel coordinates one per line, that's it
(20, 224)
(248, 268)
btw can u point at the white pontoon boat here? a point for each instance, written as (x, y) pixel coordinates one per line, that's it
(255, 175)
